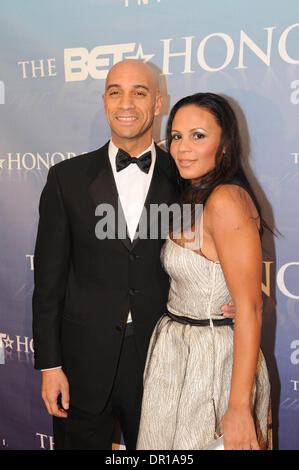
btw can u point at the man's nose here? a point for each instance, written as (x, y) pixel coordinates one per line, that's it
(126, 101)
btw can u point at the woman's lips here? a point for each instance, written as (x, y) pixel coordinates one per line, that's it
(185, 163)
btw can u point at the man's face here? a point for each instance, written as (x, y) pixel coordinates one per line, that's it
(131, 102)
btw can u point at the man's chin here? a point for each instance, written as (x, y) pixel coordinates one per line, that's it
(126, 135)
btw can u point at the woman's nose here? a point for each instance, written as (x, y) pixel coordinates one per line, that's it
(184, 144)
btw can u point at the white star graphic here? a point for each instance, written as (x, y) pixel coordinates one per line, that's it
(140, 55)
(1, 162)
(8, 342)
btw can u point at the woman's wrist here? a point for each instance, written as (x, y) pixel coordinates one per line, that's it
(239, 406)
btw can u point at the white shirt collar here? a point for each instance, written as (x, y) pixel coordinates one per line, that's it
(112, 151)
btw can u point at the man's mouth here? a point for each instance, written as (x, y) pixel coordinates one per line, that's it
(126, 118)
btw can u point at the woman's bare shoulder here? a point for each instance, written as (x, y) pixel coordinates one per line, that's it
(231, 203)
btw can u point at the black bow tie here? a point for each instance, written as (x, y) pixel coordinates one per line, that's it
(123, 159)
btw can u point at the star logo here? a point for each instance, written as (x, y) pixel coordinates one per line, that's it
(8, 342)
(140, 55)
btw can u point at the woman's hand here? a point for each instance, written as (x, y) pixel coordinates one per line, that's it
(238, 429)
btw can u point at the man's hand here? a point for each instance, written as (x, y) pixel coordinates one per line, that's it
(229, 310)
(54, 383)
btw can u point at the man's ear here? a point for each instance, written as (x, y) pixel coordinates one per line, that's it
(159, 104)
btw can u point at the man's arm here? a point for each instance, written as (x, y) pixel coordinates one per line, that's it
(51, 267)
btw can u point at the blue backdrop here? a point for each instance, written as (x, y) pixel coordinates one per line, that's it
(54, 59)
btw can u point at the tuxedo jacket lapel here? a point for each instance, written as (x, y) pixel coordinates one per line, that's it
(103, 190)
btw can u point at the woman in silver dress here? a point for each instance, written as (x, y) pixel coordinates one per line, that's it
(203, 374)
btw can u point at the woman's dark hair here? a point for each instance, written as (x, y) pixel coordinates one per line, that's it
(228, 168)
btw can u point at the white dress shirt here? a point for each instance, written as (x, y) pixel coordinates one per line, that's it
(132, 187)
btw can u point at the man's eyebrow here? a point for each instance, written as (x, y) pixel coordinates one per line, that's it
(142, 86)
(116, 85)
(113, 85)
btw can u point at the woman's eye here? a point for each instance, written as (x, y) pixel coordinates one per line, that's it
(198, 135)
(175, 137)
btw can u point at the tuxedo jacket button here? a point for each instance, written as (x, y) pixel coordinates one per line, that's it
(133, 257)
(119, 327)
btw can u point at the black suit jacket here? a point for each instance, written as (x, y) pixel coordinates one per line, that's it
(84, 286)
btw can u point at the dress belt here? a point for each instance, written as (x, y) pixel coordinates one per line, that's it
(204, 322)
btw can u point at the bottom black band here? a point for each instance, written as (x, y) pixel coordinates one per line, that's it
(204, 322)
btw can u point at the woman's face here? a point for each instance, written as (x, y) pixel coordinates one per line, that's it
(195, 140)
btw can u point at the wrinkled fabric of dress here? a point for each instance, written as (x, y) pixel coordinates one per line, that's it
(188, 369)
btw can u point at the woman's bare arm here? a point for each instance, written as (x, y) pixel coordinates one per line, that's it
(230, 219)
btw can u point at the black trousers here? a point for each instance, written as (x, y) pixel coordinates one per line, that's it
(84, 431)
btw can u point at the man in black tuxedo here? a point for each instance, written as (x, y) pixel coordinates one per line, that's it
(96, 300)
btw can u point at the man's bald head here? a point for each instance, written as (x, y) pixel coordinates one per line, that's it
(132, 66)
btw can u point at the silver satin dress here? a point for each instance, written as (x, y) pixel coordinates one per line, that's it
(188, 369)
